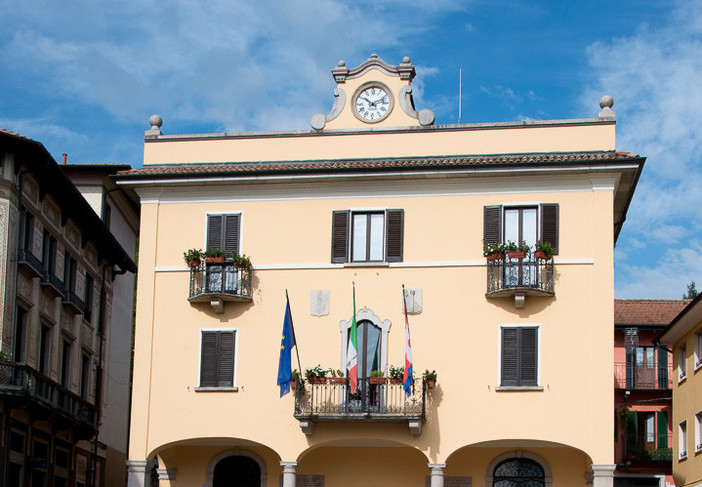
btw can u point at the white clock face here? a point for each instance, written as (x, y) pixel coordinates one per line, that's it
(373, 104)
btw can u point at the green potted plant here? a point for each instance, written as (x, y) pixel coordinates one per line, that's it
(397, 374)
(494, 251)
(215, 256)
(429, 378)
(242, 260)
(543, 250)
(294, 379)
(316, 375)
(4, 356)
(193, 257)
(337, 377)
(377, 377)
(517, 250)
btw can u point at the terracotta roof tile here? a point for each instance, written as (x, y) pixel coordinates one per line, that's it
(647, 311)
(212, 169)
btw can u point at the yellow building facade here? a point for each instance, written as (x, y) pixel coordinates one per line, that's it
(378, 197)
(684, 336)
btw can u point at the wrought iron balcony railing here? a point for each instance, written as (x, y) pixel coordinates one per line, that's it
(645, 377)
(72, 300)
(28, 259)
(384, 402)
(529, 275)
(53, 282)
(224, 281)
(647, 447)
(21, 380)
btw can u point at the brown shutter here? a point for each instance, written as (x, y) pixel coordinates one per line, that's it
(214, 232)
(395, 220)
(492, 224)
(527, 349)
(226, 359)
(208, 359)
(231, 233)
(340, 232)
(510, 358)
(549, 224)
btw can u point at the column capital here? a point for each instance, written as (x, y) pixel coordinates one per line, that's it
(289, 465)
(137, 465)
(603, 475)
(437, 467)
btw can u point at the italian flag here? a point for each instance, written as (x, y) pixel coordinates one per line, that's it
(352, 351)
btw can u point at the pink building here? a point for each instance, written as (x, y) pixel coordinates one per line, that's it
(642, 393)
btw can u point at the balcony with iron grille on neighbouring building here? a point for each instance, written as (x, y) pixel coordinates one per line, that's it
(376, 400)
(218, 283)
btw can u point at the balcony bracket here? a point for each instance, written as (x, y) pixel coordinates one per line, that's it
(519, 299)
(307, 427)
(217, 305)
(415, 427)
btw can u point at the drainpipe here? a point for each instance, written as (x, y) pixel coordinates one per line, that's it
(98, 378)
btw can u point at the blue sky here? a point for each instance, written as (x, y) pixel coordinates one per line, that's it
(83, 77)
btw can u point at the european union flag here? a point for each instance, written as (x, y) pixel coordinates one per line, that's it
(287, 341)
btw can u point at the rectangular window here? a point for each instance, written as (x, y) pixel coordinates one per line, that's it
(698, 349)
(65, 363)
(27, 230)
(682, 362)
(682, 440)
(650, 424)
(223, 232)
(45, 350)
(517, 224)
(217, 350)
(69, 273)
(49, 253)
(367, 236)
(698, 432)
(519, 356)
(84, 375)
(20, 351)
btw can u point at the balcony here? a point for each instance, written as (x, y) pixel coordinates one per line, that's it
(374, 403)
(519, 277)
(73, 302)
(643, 377)
(217, 283)
(30, 262)
(649, 448)
(50, 281)
(22, 386)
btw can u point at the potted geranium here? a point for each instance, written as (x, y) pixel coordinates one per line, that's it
(430, 378)
(377, 377)
(543, 250)
(193, 257)
(242, 261)
(294, 379)
(517, 251)
(337, 377)
(215, 256)
(316, 375)
(397, 374)
(494, 251)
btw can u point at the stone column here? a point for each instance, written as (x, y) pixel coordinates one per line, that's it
(437, 474)
(603, 475)
(136, 473)
(166, 474)
(289, 472)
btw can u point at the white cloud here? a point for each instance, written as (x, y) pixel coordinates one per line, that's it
(654, 77)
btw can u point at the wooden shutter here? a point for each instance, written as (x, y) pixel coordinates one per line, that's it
(528, 356)
(510, 356)
(208, 359)
(662, 421)
(340, 232)
(492, 224)
(549, 224)
(223, 232)
(217, 359)
(395, 220)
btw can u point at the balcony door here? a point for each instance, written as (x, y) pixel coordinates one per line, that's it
(369, 348)
(521, 226)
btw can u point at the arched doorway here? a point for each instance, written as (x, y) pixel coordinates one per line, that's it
(518, 472)
(237, 471)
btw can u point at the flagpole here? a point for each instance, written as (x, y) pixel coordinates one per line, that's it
(297, 349)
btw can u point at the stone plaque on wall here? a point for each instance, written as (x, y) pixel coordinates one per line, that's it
(319, 302)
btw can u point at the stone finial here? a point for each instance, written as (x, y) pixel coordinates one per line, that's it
(606, 103)
(341, 63)
(155, 121)
(406, 60)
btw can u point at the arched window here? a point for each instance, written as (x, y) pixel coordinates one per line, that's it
(518, 472)
(372, 342)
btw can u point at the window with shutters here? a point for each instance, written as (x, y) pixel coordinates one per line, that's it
(223, 232)
(519, 360)
(518, 224)
(367, 236)
(217, 358)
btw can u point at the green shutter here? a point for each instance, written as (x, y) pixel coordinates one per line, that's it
(631, 432)
(662, 421)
